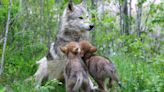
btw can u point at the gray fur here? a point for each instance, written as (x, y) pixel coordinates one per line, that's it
(78, 82)
(72, 28)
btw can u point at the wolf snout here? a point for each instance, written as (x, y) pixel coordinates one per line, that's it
(91, 27)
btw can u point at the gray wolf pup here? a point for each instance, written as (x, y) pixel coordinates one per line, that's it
(100, 68)
(74, 26)
(75, 72)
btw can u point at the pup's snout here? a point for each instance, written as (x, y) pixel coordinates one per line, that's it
(91, 26)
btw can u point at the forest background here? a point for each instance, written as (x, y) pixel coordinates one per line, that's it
(129, 32)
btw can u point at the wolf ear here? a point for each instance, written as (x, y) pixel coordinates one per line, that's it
(93, 49)
(70, 5)
(83, 3)
(64, 50)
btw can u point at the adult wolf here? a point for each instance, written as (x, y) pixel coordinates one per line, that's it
(74, 26)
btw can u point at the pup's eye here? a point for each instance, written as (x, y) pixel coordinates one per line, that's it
(80, 17)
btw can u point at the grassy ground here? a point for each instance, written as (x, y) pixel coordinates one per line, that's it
(136, 76)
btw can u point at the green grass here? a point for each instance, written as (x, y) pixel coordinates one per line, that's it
(136, 76)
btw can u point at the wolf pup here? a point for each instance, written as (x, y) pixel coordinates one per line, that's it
(75, 72)
(74, 25)
(99, 67)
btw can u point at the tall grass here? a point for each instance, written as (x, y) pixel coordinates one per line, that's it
(135, 74)
(138, 75)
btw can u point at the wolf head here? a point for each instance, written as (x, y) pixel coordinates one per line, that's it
(86, 47)
(71, 47)
(76, 18)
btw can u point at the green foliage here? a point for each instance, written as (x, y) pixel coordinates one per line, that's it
(137, 75)
(139, 60)
(52, 85)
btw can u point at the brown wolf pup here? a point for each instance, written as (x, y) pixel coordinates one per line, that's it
(75, 72)
(99, 67)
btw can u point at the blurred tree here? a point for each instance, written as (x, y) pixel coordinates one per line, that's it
(125, 17)
(139, 16)
(130, 15)
(5, 39)
(0, 3)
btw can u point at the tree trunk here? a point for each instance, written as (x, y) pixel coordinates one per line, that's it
(125, 18)
(121, 18)
(6, 35)
(139, 15)
(0, 3)
(20, 5)
(143, 27)
(41, 21)
(130, 15)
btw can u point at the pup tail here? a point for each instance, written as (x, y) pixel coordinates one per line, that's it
(78, 82)
(117, 80)
(114, 76)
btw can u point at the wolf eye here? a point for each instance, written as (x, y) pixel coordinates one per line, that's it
(80, 17)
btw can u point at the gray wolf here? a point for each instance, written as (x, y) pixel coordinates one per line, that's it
(75, 25)
(75, 72)
(100, 68)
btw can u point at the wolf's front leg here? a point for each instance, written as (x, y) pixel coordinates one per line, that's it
(42, 72)
(93, 88)
(55, 69)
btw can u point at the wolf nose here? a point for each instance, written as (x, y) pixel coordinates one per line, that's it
(91, 27)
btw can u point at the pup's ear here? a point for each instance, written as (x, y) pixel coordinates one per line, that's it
(93, 49)
(64, 50)
(76, 50)
(70, 6)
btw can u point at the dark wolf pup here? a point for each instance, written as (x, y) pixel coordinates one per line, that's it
(75, 72)
(99, 67)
